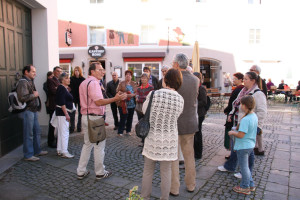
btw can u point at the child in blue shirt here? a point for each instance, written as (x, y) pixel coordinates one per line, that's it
(245, 139)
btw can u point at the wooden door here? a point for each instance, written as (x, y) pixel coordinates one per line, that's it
(15, 52)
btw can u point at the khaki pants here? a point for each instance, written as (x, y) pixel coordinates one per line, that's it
(165, 175)
(187, 147)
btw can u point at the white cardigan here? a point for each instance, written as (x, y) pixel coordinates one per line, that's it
(161, 144)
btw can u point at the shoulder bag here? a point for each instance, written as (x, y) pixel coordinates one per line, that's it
(96, 127)
(143, 126)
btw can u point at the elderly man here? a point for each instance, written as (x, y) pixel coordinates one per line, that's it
(164, 70)
(257, 70)
(187, 126)
(96, 106)
(52, 85)
(111, 92)
(27, 93)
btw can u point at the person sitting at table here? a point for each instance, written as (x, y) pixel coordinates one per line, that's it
(269, 84)
(283, 86)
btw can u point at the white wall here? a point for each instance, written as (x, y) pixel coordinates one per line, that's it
(44, 46)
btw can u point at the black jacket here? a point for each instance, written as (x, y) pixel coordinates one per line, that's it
(111, 88)
(202, 101)
(74, 85)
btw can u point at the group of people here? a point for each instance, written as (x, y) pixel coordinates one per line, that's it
(284, 90)
(178, 110)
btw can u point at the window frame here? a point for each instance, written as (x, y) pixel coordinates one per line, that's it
(141, 33)
(97, 1)
(89, 36)
(255, 38)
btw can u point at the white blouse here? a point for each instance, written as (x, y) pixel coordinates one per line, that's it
(161, 144)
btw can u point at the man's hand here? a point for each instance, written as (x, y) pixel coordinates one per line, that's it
(35, 93)
(229, 118)
(120, 96)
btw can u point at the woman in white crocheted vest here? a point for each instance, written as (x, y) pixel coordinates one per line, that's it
(161, 144)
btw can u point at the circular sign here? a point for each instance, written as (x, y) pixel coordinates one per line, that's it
(96, 51)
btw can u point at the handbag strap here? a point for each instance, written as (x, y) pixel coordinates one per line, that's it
(147, 114)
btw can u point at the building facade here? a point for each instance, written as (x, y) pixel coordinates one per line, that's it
(233, 35)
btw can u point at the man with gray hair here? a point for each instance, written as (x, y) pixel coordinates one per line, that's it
(164, 70)
(187, 126)
(257, 70)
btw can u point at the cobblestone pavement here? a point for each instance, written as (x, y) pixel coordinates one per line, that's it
(277, 174)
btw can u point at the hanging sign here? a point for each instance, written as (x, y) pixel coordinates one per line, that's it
(96, 51)
(68, 38)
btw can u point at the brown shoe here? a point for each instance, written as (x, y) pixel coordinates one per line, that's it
(174, 195)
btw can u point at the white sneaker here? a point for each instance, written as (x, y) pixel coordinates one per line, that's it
(222, 169)
(238, 175)
(32, 158)
(67, 155)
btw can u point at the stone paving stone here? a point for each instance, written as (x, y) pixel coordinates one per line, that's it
(274, 187)
(283, 155)
(116, 181)
(295, 192)
(274, 196)
(295, 180)
(205, 172)
(282, 180)
(280, 165)
(295, 156)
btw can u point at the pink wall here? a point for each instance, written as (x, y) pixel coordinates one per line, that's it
(79, 34)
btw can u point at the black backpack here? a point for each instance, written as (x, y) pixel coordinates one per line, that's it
(208, 103)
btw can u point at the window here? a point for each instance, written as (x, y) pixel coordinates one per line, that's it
(148, 34)
(97, 35)
(254, 2)
(202, 1)
(137, 69)
(96, 1)
(254, 36)
(66, 67)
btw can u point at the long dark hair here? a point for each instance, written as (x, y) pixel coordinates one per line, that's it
(249, 102)
(258, 81)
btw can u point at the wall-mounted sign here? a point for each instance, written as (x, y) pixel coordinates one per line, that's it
(96, 51)
(68, 37)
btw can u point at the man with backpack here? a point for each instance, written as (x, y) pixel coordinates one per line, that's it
(27, 93)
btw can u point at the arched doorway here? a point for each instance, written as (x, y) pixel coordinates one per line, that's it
(211, 70)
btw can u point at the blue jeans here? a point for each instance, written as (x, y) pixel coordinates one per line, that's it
(31, 133)
(246, 161)
(125, 119)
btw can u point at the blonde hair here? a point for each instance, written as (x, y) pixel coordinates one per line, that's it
(80, 71)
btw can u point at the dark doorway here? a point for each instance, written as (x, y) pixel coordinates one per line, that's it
(15, 52)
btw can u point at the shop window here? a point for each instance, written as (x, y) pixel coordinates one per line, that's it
(148, 34)
(96, 1)
(254, 36)
(137, 69)
(97, 35)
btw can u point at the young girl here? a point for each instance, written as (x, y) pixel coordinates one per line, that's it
(245, 138)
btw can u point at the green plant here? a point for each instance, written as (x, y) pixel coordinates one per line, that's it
(133, 194)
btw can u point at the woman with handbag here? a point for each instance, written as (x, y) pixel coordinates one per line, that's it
(161, 143)
(141, 95)
(127, 106)
(64, 107)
